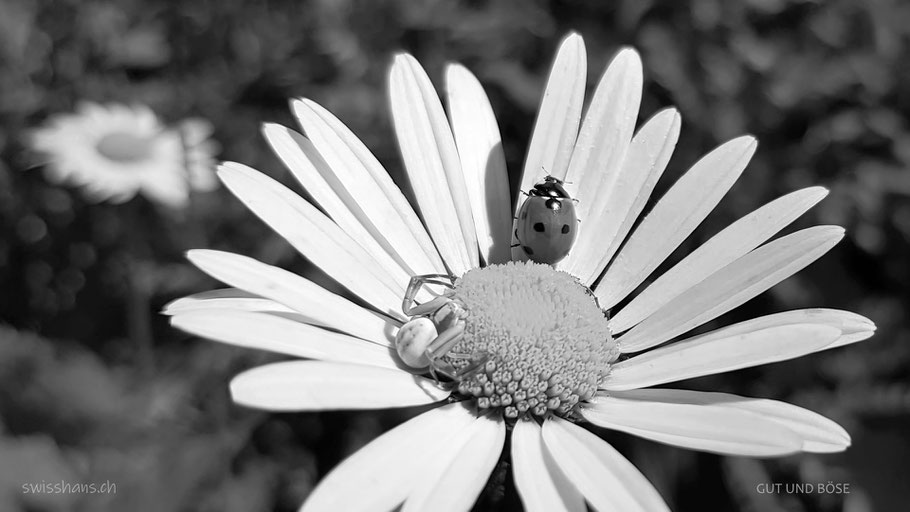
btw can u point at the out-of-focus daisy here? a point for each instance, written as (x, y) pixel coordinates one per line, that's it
(531, 347)
(112, 152)
(199, 153)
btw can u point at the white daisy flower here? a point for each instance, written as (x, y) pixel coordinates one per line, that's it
(112, 152)
(516, 345)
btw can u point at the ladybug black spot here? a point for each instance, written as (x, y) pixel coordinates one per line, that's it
(527, 250)
(565, 228)
(539, 227)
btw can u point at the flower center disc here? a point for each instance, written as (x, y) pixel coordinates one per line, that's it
(124, 147)
(547, 341)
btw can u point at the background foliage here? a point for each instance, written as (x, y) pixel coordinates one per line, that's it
(95, 386)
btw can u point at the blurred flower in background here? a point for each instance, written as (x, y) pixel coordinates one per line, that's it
(199, 151)
(113, 152)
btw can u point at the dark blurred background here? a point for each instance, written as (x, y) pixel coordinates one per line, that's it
(95, 386)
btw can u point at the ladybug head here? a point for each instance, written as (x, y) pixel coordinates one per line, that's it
(550, 187)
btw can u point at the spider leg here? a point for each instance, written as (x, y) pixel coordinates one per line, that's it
(445, 341)
(415, 284)
(435, 377)
(459, 355)
(445, 369)
(428, 307)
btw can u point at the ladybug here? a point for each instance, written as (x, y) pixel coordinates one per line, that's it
(547, 222)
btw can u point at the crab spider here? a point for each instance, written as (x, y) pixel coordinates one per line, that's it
(435, 327)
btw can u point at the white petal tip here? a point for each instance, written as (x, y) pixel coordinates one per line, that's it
(270, 129)
(171, 307)
(628, 55)
(853, 330)
(627, 62)
(229, 171)
(572, 38)
(456, 74)
(236, 392)
(836, 232)
(402, 58)
(198, 256)
(833, 439)
(301, 106)
(177, 321)
(829, 232)
(454, 67)
(670, 111)
(224, 173)
(227, 168)
(819, 190)
(748, 142)
(403, 66)
(668, 116)
(826, 447)
(859, 326)
(571, 48)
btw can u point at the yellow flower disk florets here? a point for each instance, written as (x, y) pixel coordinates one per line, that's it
(547, 341)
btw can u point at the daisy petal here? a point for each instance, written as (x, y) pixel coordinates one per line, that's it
(556, 128)
(674, 217)
(315, 236)
(228, 301)
(732, 286)
(482, 160)
(645, 161)
(323, 386)
(659, 415)
(718, 352)
(558, 117)
(722, 249)
(460, 470)
(541, 484)
(817, 433)
(814, 432)
(432, 162)
(302, 295)
(601, 148)
(606, 131)
(853, 327)
(608, 481)
(353, 169)
(380, 475)
(276, 334)
(226, 298)
(322, 183)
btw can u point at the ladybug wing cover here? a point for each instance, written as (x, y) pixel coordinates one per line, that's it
(549, 234)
